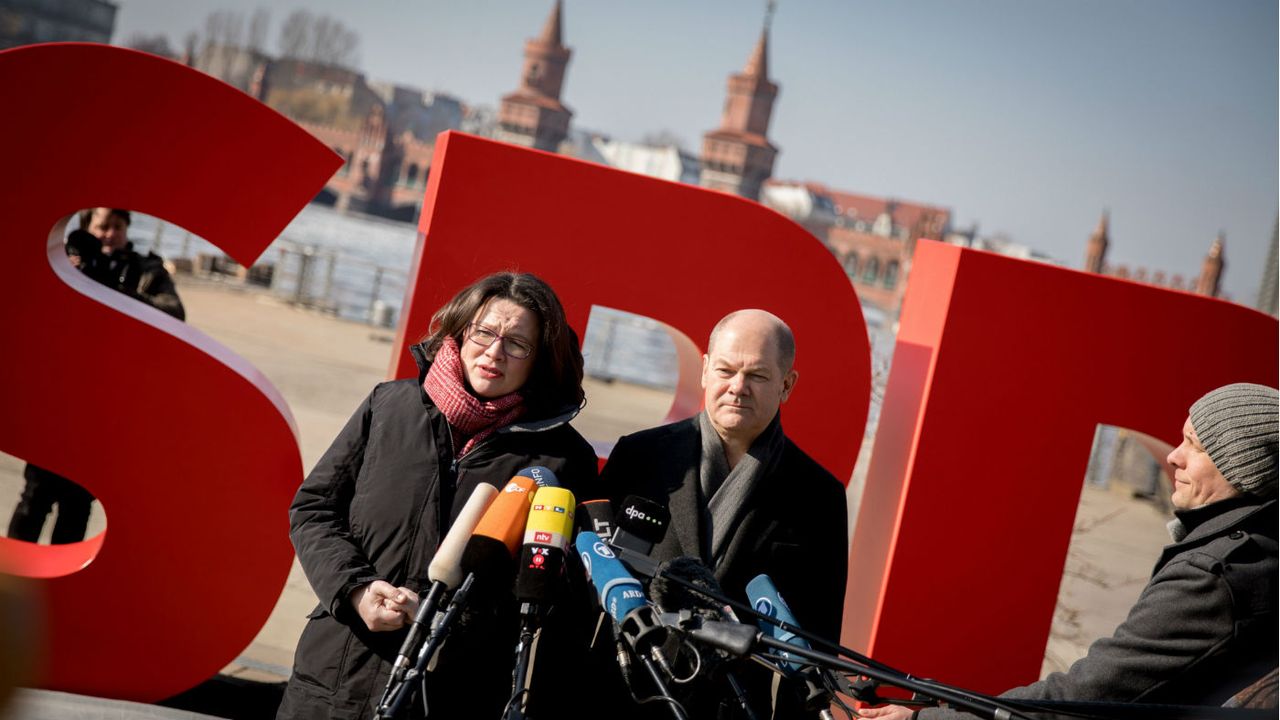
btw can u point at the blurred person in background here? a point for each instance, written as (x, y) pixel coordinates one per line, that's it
(100, 249)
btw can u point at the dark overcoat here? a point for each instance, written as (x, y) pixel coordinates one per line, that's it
(375, 507)
(795, 528)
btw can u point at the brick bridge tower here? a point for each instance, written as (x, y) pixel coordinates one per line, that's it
(737, 157)
(533, 115)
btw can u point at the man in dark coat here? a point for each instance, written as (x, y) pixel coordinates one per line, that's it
(743, 498)
(1204, 628)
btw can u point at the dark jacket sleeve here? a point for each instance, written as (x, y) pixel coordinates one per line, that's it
(1178, 619)
(318, 518)
(158, 290)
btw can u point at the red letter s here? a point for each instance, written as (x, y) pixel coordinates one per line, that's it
(191, 452)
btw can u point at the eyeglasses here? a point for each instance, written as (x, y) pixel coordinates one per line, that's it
(484, 337)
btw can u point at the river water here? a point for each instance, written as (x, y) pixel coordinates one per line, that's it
(356, 266)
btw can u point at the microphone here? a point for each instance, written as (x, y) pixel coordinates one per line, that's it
(622, 596)
(488, 561)
(490, 553)
(641, 524)
(477, 541)
(767, 601)
(715, 623)
(546, 538)
(541, 475)
(596, 516)
(444, 571)
(672, 596)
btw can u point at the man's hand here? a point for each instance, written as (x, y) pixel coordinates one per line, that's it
(892, 712)
(383, 606)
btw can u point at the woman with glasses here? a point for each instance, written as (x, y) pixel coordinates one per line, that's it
(500, 377)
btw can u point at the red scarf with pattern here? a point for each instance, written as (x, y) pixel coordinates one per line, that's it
(471, 419)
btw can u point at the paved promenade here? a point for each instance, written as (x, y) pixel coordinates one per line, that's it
(324, 367)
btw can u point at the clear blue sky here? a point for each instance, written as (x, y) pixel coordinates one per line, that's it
(1026, 116)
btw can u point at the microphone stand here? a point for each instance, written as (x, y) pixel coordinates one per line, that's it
(982, 706)
(426, 610)
(403, 693)
(524, 653)
(978, 704)
(645, 565)
(740, 696)
(656, 676)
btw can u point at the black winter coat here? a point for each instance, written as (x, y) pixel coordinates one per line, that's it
(1203, 629)
(375, 507)
(794, 530)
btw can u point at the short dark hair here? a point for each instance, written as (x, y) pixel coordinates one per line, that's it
(86, 216)
(556, 380)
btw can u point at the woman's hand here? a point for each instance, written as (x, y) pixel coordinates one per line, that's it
(383, 606)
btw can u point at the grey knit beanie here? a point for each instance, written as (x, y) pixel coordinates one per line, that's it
(1237, 426)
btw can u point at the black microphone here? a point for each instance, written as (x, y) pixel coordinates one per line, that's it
(708, 621)
(641, 524)
(596, 516)
(672, 596)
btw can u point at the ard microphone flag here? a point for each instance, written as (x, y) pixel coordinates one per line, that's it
(620, 593)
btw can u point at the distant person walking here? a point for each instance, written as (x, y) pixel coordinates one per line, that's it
(101, 250)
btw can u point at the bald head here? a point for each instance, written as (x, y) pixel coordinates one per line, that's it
(761, 323)
(746, 376)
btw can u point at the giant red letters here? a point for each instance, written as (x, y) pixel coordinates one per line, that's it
(1002, 371)
(192, 454)
(679, 254)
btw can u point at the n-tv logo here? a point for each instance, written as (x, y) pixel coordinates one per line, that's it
(541, 536)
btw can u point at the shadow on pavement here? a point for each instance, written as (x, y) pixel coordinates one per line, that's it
(226, 696)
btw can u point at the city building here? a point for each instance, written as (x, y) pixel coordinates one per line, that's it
(1208, 282)
(667, 162)
(872, 237)
(737, 157)
(24, 22)
(533, 115)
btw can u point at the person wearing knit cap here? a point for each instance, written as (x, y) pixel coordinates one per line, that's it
(1204, 630)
